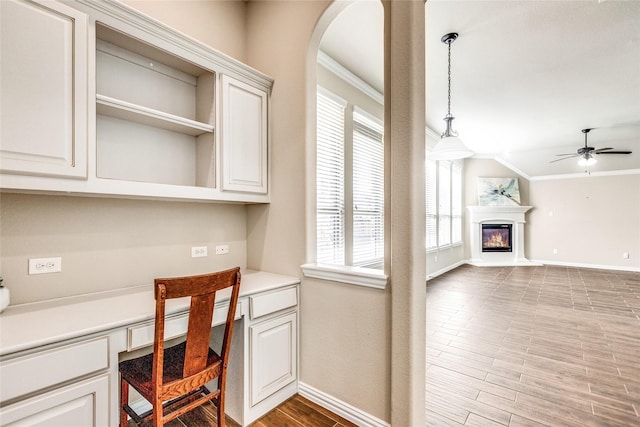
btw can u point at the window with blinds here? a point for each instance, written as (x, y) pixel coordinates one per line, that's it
(368, 190)
(330, 231)
(432, 207)
(443, 203)
(456, 203)
(350, 184)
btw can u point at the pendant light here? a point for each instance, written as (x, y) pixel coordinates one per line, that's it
(450, 147)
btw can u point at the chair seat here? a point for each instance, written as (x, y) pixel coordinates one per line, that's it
(137, 372)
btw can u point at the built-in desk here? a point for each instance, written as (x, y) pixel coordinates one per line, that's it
(59, 358)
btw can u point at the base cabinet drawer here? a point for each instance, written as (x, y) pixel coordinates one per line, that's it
(84, 404)
(273, 353)
(270, 302)
(28, 374)
(140, 336)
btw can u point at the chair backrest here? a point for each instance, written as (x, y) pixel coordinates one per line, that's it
(202, 290)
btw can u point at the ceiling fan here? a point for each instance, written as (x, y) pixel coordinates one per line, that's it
(586, 153)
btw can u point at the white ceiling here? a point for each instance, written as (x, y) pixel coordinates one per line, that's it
(527, 76)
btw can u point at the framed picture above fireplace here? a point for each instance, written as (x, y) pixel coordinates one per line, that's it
(498, 191)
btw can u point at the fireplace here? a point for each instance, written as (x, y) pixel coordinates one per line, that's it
(497, 238)
(496, 235)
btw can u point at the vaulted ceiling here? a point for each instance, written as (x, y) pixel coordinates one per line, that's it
(527, 76)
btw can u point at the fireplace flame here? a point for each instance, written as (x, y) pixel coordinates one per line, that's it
(495, 240)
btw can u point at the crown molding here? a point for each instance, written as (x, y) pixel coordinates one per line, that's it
(339, 70)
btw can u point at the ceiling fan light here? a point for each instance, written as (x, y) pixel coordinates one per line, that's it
(587, 161)
(450, 148)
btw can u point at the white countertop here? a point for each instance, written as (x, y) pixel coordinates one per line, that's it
(31, 325)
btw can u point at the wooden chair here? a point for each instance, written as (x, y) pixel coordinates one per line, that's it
(173, 379)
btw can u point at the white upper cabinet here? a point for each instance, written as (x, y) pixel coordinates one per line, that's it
(244, 137)
(168, 117)
(44, 89)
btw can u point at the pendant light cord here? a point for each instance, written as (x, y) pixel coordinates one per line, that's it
(449, 80)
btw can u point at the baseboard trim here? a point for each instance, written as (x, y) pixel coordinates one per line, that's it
(339, 407)
(446, 269)
(584, 265)
(535, 262)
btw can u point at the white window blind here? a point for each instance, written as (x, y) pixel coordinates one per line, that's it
(350, 184)
(368, 190)
(444, 203)
(330, 218)
(456, 203)
(432, 207)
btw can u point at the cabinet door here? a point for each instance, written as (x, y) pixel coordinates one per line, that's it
(43, 79)
(273, 356)
(243, 137)
(84, 404)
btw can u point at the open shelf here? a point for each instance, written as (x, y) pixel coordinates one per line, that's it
(155, 114)
(148, 116)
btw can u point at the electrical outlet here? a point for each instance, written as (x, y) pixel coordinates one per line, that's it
(45, 265)
(222, 249)
(625, 255)
(555, 252)
(198, 251)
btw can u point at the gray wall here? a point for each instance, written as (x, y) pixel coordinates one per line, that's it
(111, 243)
(115, 243)
(590, 221)
(488, 168)
(344, 329)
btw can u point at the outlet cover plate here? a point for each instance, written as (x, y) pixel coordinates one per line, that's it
(45, 265)
(198, 251)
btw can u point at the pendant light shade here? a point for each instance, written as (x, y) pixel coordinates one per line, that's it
(450, 147)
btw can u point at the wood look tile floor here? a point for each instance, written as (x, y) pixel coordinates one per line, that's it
(533, 346)
(295, 412)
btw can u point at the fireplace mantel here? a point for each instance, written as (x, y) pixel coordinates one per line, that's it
(483, 212)
(498, 214)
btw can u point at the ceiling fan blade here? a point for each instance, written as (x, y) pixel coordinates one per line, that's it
(615, 152)
(602, 149)
(568, 154)
(564, 158)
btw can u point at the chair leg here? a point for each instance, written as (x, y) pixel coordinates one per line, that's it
(124, 400)
(220, 411)
(158, 413)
